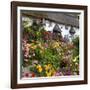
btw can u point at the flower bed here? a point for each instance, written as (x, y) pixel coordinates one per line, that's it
(46, 54)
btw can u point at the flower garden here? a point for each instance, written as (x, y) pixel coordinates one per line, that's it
(47, 54)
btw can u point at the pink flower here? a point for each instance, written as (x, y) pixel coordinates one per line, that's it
(28, 74)
(58, 73)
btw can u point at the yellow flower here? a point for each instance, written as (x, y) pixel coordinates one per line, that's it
(75, 59)
(48, 73)
(53, 71)
(39, 68)
(34, 47)
(49, 70)
(29, 45)
(40, 46)
(47, 67)
(55, 44)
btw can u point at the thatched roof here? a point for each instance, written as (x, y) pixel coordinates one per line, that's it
(60, 18)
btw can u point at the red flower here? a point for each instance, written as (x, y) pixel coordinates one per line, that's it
(27, 75)
(33, 75)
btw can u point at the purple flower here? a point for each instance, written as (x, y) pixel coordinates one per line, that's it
(58, 73)
(68, 72)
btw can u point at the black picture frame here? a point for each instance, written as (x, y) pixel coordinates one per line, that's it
(14, 5)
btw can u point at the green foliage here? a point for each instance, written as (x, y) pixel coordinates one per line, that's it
(76, 46)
